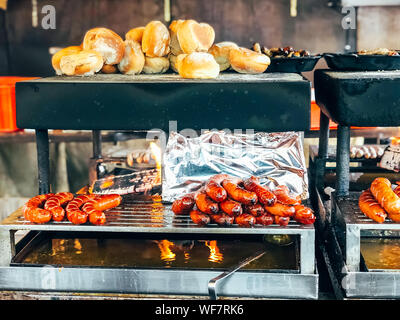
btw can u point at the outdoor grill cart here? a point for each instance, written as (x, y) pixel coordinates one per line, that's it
(360, 253)
(252, 265)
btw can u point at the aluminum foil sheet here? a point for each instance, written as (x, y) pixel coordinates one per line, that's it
(276, 158)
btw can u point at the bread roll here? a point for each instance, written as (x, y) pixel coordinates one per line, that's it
(197, 65)
(244, 60)
(83, 63)
(155, 40)
(174, 44)
(135, 34)
(220, 52)
(105, 41)
(156, 65)
(55, 60)
(109, 68)
(133, 59)
(172, 62)
(194, 36)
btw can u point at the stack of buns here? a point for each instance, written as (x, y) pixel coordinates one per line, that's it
(187, 47)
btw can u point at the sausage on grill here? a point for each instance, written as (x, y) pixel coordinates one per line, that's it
(370, 207)
(199, 217)
(281, 210)
(239, 194)
(73, 210)
(54, 204)
(284, 196)
(94, 208)
(184, 204)
(381, 189)
(265, 196)
(231, 207)
(33, 210)
(204, 203)
(214, 189)
(245, 220)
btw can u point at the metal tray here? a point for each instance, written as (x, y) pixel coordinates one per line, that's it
(356, 62)
(293, 65)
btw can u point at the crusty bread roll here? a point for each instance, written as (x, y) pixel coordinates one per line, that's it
(172, 62)
(197, 65)
(156, 65)
(135, 34)
(109, 68)
(133, 59)
(174, 44)
(82, 63)
(220, 52)
(194, 36)
(105, 41)
(244, 60)
(55, 60)
(156, 39)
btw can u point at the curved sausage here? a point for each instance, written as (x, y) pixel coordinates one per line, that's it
(54, 204)
(370, 207)
(199, 217)
(205, 204)
(381, 189)
(254, 209)
(302, 212)
(239, 194)
(231, 207)
(33, 210)
(74, 214)
(245, 220)
(265, 196)
(309, 220)
(222, 219)
(265, 219)
(214, 189)
(184, 204)
(281, 210)
(284, 196)
(282, 221)
(94, 208)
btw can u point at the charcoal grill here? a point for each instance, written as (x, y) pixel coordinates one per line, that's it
(265, 102)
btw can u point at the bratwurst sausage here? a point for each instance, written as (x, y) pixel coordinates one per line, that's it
(370, 207)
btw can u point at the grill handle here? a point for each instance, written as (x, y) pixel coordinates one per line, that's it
(212, 284)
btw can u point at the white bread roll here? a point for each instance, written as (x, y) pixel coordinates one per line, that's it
(172, 62)
(156, 39)
(135, 34)
(244, 60)
(197, 65)
(174, 44)
(83, 63)
(156, 65)
(105, 41)
(220, 52)
(133, 59)
(55, 60)
(194, 36)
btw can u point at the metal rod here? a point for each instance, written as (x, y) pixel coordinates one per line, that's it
(212, 284)
(343, 161)
(323, 135)
(43, 160)
(96, 144)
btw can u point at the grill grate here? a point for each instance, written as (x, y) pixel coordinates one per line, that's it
(147, 214)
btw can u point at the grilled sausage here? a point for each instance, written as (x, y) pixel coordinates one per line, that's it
(254, 209)
(199, 217)
(281, 210)
(231, 207)
(239, 194)
(302, 212)
(94, 208)
(222, 219)
(183, 205)
(370, 207)
(214, 189)
(265, 196)
(381, 189)
(282, 221)
(245, 220)
(54, 204)
(265, 219)
(74, 214)
(283, 195)
(204, 203)
(33, 210)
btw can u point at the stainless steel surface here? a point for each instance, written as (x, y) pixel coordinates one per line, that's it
(276, 158)
(241, 284)
(212, 284)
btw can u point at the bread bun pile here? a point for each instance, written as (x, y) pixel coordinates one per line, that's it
(186, 47)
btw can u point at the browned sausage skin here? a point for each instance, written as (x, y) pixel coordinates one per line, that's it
(204, 203)
(371, 208)
(239, 194)
(265, 196)
(199, 218)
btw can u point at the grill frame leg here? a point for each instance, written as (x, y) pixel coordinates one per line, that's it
(343, 161)
(43, 160)
(323, 145)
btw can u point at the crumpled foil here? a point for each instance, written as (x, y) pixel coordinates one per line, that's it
(276, 158)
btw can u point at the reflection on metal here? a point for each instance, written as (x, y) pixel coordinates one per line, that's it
(215, 254)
